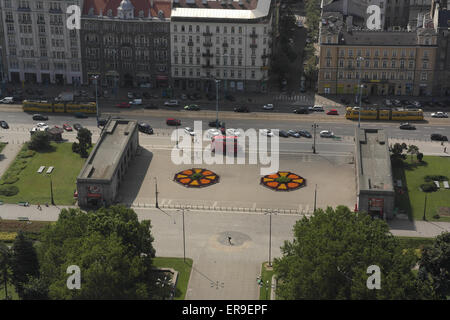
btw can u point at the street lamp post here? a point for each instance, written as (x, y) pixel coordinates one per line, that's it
(270, 212)
(315, 198)
(184, 236)
(424, 218)
(314, 126)
(51, 191)
(156, 193)
(217, 102)
(360, 59)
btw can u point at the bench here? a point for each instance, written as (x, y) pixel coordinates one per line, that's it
(41, 169)
(446, 186)
(437, 184)
(50, 169)
(23, 219)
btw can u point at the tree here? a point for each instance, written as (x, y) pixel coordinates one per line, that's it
(35, 289)
(40, 141)
(24, 262)
(76, 147)
(112, 248)
(5, 270)
(434, 266)
(84, 136)
(397, 150)
(420, 156)
(330, 254)
(412, 149)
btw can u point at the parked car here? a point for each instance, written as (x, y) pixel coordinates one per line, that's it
(212, 133)
(283, 134)
(333, 112)
(241, 109)
(80, 115)
(268, 106)
(190, 131)
(4, 124)
(293, 133)
(173, 122)
(266, 132)
(407, 126)
(136, 102)
(233, 132)
(172, 103)
(77, 126)
(304, 133)
(7, 100)
(145, 128)
(318, 108)
(193, 107)
(439, 114)
(123, 105)
(326, 134)
(216, 124)
(303, 110)
(67, 127)
(39, 117)
(438, 137)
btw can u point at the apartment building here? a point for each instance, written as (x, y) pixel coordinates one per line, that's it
(38, 46)
(222, 40)
(126, 42)
(386, 62)
(441, 21)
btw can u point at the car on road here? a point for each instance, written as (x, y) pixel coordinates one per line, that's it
(77, 126)
(123, 105)
(151, 106)
(293, 133)
(266, 132)
(268, 106)
(438, 137)
(193, 107)
(332, 112)
(233, 132)
(4, 124)
(216, 124)
(241, 109)
(303, 110)
(317, 108)
(39, 117)
(407, 126)
(173, 122)
(7, 100)
(172, 103)
(212, 133)
(136, 102)
(190, 131)
(304, 133)
(439, 114)
(283, 133)
(67, 127)
(80, 115)
(145, 128)
(326, 134)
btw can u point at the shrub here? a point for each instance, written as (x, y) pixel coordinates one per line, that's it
(75, 147)
(10, 179)
(436, 216)
(9, 190)
(26, 154)
(435, 178)
(428, 187)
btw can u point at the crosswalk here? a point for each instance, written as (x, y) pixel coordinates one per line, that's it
(291, 98)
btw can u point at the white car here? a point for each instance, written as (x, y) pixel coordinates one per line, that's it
(388, 102)
(268, 106)
(172, 103)
(7, 100)
(326, 134)
(136, 102)
(439, 114)
(42, 125)
(233, 132)
(212, 133)
(266, 132)
(318, 108)
(189, 131)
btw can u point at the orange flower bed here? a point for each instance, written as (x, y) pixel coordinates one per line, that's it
(196, 178)
(283, 181)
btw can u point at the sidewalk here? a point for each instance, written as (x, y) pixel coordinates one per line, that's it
(8, 154)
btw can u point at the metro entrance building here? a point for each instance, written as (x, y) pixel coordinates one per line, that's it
(99, 181)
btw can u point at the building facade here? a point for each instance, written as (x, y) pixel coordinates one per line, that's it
(39, 48)
(126, 42)
(101, 176)
(222, 40)
(441, 22)
(386, 62)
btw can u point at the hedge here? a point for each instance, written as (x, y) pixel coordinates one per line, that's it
(9, 190)
(435, 178)
(428, 187)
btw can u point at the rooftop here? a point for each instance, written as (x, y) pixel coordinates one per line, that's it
(150, 8)
(103, 159)
(374, 162)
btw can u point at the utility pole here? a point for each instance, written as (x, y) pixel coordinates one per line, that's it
(156, 193)
(314, 126)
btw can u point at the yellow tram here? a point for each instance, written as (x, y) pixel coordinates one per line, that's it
(59, 107)
(385, 114)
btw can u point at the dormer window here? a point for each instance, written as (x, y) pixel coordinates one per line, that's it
(141, 14)
(109, 13)
(91, 12)
(161, 14)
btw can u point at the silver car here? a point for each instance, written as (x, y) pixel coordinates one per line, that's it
(326, 134)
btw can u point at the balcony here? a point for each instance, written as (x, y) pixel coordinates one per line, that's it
(207, 55)
(207, 34)
(207, 66)
(253, 35)
(207, 44)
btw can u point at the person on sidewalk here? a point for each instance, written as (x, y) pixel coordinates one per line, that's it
(445, 149)
(39, 206)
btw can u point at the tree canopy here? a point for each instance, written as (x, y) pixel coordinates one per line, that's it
(330, 254)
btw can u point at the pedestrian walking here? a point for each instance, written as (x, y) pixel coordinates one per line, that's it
(39, 206)
(229, 240)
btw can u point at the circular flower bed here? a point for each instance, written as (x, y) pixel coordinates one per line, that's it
(283, 181)
(196, 178)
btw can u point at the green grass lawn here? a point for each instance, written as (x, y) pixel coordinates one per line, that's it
(412, 176)
(415, 242)
(35, 188)
(266, 289)
(184, 272)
